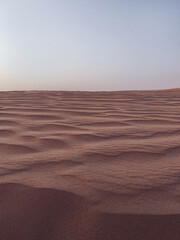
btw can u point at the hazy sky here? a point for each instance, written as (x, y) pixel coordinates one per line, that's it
(89, 44)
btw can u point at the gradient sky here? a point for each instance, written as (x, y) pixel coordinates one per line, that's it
(89, 44)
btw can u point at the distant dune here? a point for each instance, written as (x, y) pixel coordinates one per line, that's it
(90, 165)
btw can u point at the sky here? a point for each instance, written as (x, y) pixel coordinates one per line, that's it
(89, 45)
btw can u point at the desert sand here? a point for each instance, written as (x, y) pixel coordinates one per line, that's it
(90, 165)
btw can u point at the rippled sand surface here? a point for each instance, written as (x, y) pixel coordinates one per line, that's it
(90, 165)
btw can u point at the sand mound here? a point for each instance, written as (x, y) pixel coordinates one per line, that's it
(30, 213)
(56, 127)
(15, 149)
(6, 133)
(41, 213)
(53, 143)
(7, 123)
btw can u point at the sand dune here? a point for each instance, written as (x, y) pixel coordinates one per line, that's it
(90, 166)
(15, 149)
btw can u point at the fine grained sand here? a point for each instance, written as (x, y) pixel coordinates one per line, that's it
(90, 165)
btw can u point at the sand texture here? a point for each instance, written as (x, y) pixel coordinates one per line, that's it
(90, 165)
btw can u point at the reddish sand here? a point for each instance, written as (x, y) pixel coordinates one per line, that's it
(90, 165)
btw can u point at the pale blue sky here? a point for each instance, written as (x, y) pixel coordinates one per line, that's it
(89, 44)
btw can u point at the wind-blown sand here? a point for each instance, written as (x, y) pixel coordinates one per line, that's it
(90, 165)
